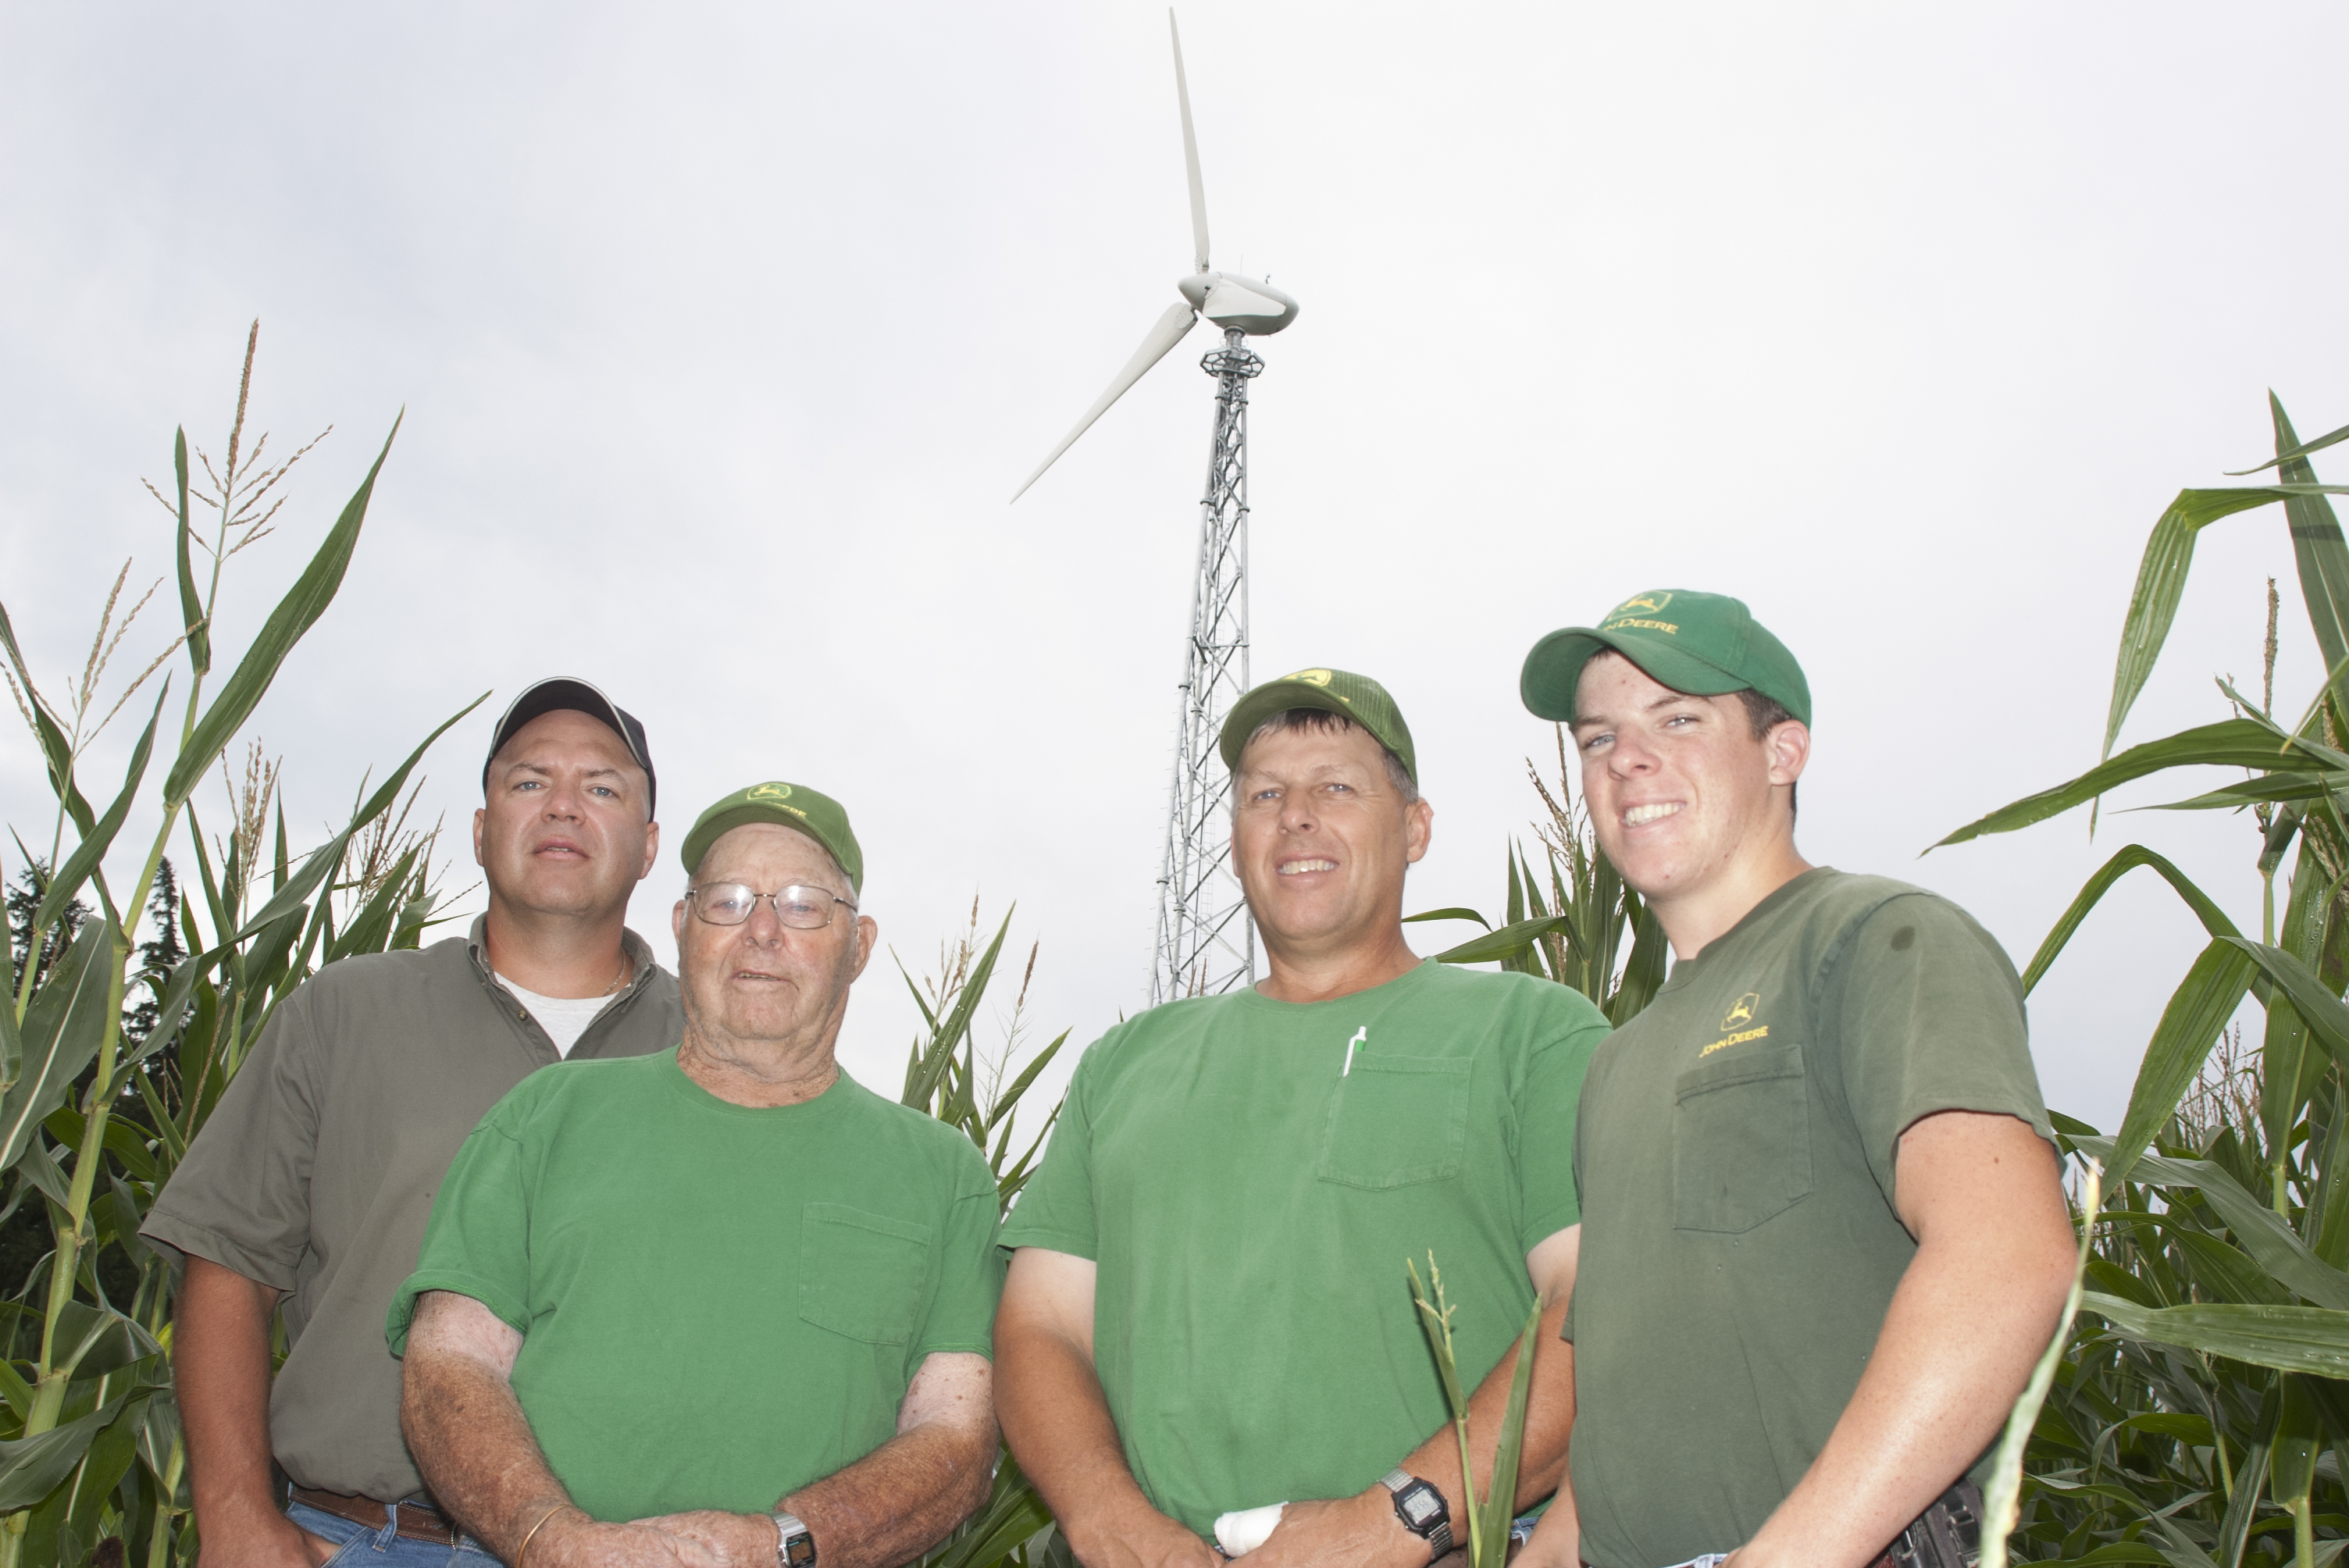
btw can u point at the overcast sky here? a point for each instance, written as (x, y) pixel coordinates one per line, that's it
(725, 331)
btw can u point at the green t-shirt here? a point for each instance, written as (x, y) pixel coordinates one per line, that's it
(1735, 1158)
(1250, 1200)
(719, 1303)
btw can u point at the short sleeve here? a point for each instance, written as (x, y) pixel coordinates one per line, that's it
(971, 1269)
(1055, 1208)
(1931, 1020)
(478, 1241)
(1546, 1108)
(240, 1197)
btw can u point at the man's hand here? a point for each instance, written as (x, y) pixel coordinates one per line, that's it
(1361, 1531)
(267, 1540)
(572, 1540)
(731, 1539)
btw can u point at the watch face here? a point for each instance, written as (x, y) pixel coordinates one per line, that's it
(1419, 1503)
(799, 1550)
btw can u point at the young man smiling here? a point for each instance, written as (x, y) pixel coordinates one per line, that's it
(1206, 1308)
(1826, 1236)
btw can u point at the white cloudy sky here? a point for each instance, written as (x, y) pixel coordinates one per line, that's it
(724, 332)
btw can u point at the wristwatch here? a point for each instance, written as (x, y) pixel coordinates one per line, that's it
(1421, 1509)
(795, 1542)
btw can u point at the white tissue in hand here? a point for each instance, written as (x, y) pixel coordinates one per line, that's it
(1243, 1530)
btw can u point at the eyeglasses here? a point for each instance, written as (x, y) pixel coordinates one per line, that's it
(731, 903)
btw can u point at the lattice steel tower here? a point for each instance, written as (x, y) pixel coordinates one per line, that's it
(1205, 944)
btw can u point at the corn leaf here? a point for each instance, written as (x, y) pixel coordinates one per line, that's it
(294, 895)
(2229, 743)
(2317, 547)
(62, 1029)
(2261, 1231)
(31, 1468)
(2160, 584)
(87, 854)
(296, 614)
(191, 604)
(2189, 1025)
(1455, 914)
(1500, 1502)
(2214, 919)
(2311, 1339)
(1505, 944)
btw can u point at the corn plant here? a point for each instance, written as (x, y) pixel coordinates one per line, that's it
(2200, 1415)
(949, 1076)
(1489, 1518)
(1573, 933)
(93, 1118)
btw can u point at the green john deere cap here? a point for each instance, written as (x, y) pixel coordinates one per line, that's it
(1359, 698)
(1707, 644)
(819, 816)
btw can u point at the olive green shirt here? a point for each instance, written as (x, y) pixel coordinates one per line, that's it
(1251, 1175)
(317, 1172)
(1736, 1157)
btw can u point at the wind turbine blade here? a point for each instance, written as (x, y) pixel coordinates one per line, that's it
(1178, 320)
(1190, 149)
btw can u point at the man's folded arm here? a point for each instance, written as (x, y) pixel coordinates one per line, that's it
(1982, 1194)
(478, 1457)
(891, 1505)
(1058, 1420)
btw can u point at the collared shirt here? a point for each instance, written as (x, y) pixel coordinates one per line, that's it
(317, 1172)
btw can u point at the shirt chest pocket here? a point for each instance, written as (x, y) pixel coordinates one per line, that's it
(1396, 1121)
(862, 1275)
(1741, 1140)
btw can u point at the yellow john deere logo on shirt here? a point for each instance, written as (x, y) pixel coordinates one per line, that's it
(1629, 612)
(1741, 1011)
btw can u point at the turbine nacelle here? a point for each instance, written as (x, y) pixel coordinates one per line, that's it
(1232, 303)
(1250, 304)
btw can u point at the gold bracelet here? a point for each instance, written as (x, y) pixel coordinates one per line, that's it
(526, 1539)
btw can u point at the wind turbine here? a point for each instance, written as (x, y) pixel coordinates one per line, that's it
(1205, 944)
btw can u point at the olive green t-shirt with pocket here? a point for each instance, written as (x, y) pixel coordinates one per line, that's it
(719, 1303)
(1735, 1156)
(1250, 1176)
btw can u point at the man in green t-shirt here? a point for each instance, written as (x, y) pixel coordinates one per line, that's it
(1207, 1309)
(719, 1306)
(1824, 1236)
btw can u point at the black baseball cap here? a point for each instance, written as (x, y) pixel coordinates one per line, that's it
(565, 695)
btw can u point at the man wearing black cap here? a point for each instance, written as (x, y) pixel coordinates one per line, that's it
(310, 1185)
(1824, 1238)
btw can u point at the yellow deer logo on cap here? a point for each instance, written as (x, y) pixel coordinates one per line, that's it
(772, 792)
(1653, 603)
(1311, 678)
(1741, 1010)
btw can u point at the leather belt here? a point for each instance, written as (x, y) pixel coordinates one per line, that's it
(419, 1520)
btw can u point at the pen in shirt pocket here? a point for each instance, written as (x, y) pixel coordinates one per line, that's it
(1362, 1037)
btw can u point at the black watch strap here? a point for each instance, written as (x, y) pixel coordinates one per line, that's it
(1422, 1511)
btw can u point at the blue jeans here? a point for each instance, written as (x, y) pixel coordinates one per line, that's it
(364, 1548)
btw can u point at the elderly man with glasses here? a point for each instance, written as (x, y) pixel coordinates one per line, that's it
(719, 1306)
